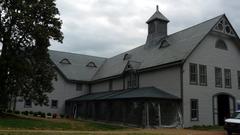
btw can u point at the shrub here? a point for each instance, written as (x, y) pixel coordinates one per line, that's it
(25, 112)
(17, 112)
(43, 115)
(62, 115)
(49, 114)
(54, 115)
(9, 111)
(39, 114)
(35, 114)
(31, 112)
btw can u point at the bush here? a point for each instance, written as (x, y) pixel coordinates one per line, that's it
(31, 112)
(49, 114)
(54, 115)
(43, 115)
(17, 112)
(9, 111)
(35, 114)
(25, 112)
(62, 115)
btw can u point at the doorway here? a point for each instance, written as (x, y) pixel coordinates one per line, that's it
(223, 106)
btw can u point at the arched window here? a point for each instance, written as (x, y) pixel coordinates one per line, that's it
(127, 56)
(65, 61)
(164, 43)
(91, 64)
(220, 44)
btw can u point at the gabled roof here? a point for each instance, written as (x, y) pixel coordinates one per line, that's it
(77, 70)
(145, 92)
(157, 16)
(182, 44)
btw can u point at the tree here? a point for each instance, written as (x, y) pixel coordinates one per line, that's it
(26, 28)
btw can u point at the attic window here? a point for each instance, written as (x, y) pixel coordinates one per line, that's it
(91, 64)
(224, 27)
(220, 44)
(126, 57)
(65, 61)
(164, 43)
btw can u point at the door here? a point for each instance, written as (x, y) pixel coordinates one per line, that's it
(223, 108)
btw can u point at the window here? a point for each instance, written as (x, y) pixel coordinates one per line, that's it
(79, 87)
(164, 43)
(227, 78)
(203, 75)
(110, 85)
(91, 64)
(238, 74)
(218, 77)
(54, 104)
(28, 103)
(151, 28)
(65, 61)
(132, 80)
(194, 110)
(193, 73)
(224, 26)
(220, 44)
(126, 57)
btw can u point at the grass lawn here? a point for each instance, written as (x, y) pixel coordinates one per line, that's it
(15, 125)
(15, 122)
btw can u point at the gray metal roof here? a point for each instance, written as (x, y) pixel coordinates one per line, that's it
(181, 45)
(77, 70)
(157, 15)
(145, 92)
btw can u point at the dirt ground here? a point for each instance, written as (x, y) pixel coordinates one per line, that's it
(128, 132)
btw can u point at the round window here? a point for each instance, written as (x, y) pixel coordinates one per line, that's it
(228, 30)
(220, 26)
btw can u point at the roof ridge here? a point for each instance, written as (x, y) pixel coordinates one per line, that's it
(196, 25)
(79, 54)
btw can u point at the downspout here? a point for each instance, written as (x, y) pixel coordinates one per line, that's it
(182, 95)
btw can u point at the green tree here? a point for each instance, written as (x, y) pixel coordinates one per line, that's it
(26, 28)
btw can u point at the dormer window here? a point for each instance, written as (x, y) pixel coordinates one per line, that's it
(65, 61)
(220, 44)
(126, 57)
(164, 43)
(91, 64)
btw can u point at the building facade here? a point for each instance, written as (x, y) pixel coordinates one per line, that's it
(191, 77)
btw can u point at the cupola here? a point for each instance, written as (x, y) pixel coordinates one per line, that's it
(157, 28)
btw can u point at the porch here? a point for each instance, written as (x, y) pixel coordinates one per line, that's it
(141, 107)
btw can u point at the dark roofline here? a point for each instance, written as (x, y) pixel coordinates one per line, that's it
(79, 54)
(196, 25)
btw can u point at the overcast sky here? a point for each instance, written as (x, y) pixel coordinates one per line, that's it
(109, 27)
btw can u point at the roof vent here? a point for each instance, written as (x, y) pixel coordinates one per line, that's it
(127, 56)
(164, 43)
(91, 64)
(65, 61)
